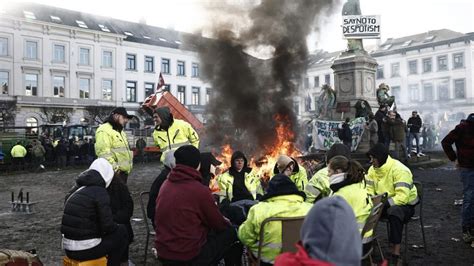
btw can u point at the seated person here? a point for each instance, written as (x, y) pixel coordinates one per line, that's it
(290, 167)
(282, 199)
(346, 179)
(318, 185)
(88, 228)
(190, 230)
(329, 236)
(392, 176)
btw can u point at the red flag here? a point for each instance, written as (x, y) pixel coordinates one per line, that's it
(161, 83)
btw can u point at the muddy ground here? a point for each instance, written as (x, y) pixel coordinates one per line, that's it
(40, 230)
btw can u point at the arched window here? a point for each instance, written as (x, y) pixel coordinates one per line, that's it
(33, 123)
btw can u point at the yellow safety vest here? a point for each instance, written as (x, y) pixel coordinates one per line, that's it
(113, 146)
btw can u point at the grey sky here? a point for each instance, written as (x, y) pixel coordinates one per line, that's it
(398, 17)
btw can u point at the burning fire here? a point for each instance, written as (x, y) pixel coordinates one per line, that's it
(263, 166)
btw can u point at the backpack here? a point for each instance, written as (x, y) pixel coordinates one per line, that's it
(10, 257)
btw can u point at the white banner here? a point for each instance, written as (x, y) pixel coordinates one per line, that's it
(325, 133)
(361, 27)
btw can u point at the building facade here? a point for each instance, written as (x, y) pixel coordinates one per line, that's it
(59, 66)
(431, 72)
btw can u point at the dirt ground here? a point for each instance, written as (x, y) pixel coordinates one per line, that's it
(40, 230)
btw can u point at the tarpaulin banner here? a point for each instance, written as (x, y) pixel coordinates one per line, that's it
(325, 133)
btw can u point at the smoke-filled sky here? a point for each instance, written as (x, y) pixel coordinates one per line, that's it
(399, 17)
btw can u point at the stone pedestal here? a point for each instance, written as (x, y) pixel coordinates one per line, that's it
(354, 79)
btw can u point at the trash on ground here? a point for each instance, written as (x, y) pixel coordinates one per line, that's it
(455, 239)
(439, 189)
(427, 226)
(137, 219)
(458, 202)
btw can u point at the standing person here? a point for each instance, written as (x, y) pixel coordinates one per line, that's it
(414, 125)
(373, 129)
(379, 117)
(170, 133)
(112, 144)
(38, 154)
(88, 229)
(61, 154)
(397, 134)
(462, 136)
(18, 154)
(345, 133)
(121, 205)
(190, 230)
(391, 176)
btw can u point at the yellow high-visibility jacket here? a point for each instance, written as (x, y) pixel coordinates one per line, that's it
(278, 206)
(113, 146)
(300, 178)
(225, 182)
(395, 179)
(318, 186)
(359, 199)
(178, 134)
(18, 151)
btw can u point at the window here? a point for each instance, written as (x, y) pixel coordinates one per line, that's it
(165, 66)
(396, 91)
(380, 74)
(306, 83)
(107, 89)
(107, 59)
(458, 60)
(149, 88)
(307, 103)
(316, 81)
(131, 62)
(81, 24)
(31, 84)
(149, 64)
(395, 69)
(3, 46)
(195, 99)
(29, 15)
(84, 56)
(59, 53)
(208, 95)
(33, 123)
(84, 88)
(55, 19)
(443, 90)
(4, 81)
(426, 65)
(31, 50)
(181, 68)
(442, 62)
(195, 70)
(131, 93)
(428, 92)
(413, 67)
(414, 92)
(296, 107)
(104, 28)
(128, 33)
(182, 94)
(459, 89)
(167, 87)
(58, 86)
(327, 79)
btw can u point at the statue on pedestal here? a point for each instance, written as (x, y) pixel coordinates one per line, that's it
(383, 98)
(350, 8)
(326, 101)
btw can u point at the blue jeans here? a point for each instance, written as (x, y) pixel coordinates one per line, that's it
(467, 178)
(416, 136)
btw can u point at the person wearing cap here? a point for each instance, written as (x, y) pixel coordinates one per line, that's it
(87, 226)
(393, 177)
(462, 136)
(290, 167)
(282, 199)
(318, 186)
(329, 236)
(414, 124)
(112, 143)
(171, 133)
(190, 230)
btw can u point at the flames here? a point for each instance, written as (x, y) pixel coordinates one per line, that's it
(263, 165)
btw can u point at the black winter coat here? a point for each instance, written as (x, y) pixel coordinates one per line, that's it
(414, 124)
(121, 204)
(154, 190)
(87, 212)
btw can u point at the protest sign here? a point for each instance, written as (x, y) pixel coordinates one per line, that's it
(325, 133)
(361, 27)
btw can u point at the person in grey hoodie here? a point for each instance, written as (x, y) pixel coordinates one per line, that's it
(330, 233)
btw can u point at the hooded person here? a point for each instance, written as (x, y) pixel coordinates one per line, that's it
(329, 236)
(190, 229)
(462, 136)
(290, 167)
(387, 175)
(282, 199)
(208, 167)
(88, 227)
(318, 186)
(169, 163)
(171, 133)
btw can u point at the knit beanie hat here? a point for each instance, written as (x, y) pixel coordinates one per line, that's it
(338, 149)
(379, 152)
(188, 155)
(470, 117)
(282, 162)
